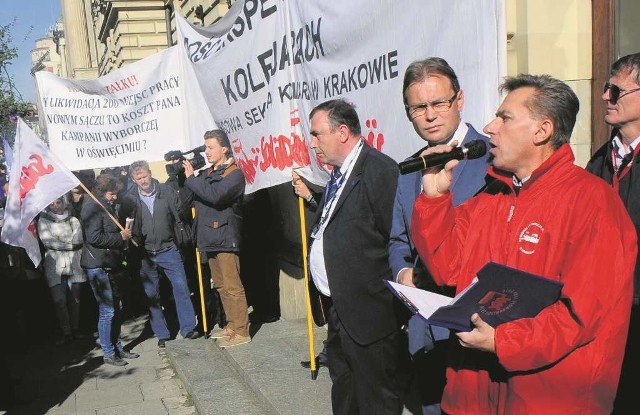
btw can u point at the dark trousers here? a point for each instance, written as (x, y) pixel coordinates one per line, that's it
(365, 378)
(627, 389)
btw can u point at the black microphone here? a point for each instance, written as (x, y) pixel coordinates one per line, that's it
(475, 149)
(177, 154)
(196, 150)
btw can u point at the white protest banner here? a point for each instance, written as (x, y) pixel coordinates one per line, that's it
(134, 113)
(37, 179)
(267, 63)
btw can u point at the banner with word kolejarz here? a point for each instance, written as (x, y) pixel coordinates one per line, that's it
(134, 113)
(267, 63)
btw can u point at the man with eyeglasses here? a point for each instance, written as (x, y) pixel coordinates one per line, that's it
(615, 162)
(433, 101)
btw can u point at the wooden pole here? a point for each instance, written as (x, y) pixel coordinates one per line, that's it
(303, 236)
(106, 210)
(200, 284)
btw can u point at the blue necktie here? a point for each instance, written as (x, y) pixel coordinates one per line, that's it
(334, 184)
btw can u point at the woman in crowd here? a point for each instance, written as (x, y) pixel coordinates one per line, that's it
(102, 258)
(61, 236)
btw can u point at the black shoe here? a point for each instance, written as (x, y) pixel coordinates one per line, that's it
(262, 318)
(321, 361)
(192, 335)
(128, 355)
(162, 343)
(115, 361)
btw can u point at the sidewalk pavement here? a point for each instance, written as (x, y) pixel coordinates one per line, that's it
(71, 379)
(261, 377)
(187, 377)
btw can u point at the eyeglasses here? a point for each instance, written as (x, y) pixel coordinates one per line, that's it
(615, 92)
(440, 106)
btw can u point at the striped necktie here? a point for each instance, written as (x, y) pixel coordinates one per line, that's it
(334, 184)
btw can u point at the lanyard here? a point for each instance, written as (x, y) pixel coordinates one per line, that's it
(318, 230)
(620, 171)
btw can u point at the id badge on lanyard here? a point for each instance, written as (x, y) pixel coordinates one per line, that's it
(318, 230)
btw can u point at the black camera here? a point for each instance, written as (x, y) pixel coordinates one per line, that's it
(176, 157)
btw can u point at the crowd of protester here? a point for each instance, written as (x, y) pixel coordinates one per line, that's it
(96, 272)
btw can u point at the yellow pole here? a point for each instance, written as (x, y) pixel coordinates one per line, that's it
(200, 284)
(303, 235)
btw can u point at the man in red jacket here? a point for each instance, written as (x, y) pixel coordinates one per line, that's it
(542, 214)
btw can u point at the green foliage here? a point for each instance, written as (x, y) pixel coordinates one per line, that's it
(11, 102)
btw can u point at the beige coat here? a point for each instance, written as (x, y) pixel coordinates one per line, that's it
(61, 236)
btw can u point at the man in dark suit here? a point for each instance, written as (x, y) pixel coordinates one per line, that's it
(349, 261)
(616, 163)
(433, 101)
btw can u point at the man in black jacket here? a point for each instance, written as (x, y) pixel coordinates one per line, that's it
(155, 210)
(349, 260)
(217, 195)
(616, 163)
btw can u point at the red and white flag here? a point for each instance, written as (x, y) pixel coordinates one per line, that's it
(37, 179)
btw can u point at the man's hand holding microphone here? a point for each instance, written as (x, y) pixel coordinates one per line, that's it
(436, 180)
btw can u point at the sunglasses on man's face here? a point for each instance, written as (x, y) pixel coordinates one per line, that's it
(615, 92)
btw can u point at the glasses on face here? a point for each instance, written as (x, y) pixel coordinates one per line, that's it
(440, 106)
(615, 92)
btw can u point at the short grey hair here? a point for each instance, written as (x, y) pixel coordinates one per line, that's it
(340, 112)
(139, 165)
(552, 98)
(629, 63)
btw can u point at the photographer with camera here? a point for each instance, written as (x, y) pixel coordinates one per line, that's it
(217, 194)
(175, 180)
(176, 169)
(154, 208)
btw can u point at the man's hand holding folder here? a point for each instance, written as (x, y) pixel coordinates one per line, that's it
(498, 294)
(480, 338)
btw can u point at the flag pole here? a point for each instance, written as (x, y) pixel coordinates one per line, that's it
(200, 284)
(303, 235)
(106, 210)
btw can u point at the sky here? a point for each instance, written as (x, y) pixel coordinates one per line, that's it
(33, 20)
